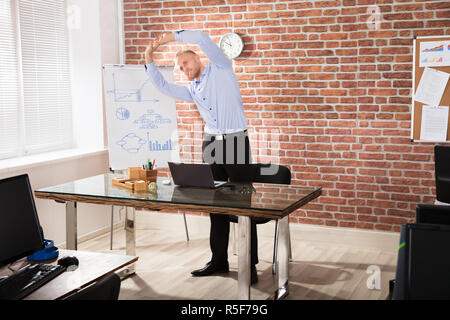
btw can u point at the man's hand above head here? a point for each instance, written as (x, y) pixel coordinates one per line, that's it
(166, 38)
(154, 44)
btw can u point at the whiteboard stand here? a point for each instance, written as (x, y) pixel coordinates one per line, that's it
(112, 213)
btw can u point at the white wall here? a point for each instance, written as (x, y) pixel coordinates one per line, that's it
(95, 41)
(52, 214)
(94, 33)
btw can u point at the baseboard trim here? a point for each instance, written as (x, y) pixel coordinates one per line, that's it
(94, 234)
(198, 226)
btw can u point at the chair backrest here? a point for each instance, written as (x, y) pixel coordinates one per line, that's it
(430, 213)
(442, 173)
(282, 174)
(423, 262)
(442, 160)
(107, 288)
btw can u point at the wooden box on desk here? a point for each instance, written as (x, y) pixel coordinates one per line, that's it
(137, 173)
(137, 179)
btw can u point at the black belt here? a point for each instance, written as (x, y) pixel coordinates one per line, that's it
(213, 137)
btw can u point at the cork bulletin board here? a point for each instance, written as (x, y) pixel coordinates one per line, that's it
(435, 49)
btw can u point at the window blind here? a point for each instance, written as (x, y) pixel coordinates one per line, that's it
(35, 83)
(47, 97)
(9, 84)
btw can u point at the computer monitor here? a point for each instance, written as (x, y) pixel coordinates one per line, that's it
(423, 262)
(20, 231)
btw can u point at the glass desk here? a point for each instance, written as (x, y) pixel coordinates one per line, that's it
(258, 200)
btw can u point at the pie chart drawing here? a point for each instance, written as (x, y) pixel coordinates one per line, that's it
(122, 113)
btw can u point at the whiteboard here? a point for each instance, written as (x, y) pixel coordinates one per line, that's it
(141, 121)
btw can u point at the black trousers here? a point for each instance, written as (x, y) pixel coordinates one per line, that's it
(227, 170)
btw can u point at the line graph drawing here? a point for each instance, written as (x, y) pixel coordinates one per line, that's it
(439, 48)
(151, 120)
(129, 95)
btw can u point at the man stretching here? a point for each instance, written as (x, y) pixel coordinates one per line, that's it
(215, 90)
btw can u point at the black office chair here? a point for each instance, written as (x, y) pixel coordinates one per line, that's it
(435, 214)
(107, 288)
(427, 215)
(282, 175)
(442, 173)
(423, 263)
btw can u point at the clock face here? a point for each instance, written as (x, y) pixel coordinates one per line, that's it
(231, 45)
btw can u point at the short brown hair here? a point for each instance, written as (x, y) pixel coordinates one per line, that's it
(179, 53)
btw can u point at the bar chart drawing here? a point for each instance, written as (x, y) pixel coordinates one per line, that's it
(155, 145)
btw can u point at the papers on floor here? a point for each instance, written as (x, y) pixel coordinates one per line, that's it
(431, 87)
(434, 124)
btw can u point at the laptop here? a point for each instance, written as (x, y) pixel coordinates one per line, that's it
(194, 175)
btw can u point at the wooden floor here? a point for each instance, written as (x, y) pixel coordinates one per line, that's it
(318, 270)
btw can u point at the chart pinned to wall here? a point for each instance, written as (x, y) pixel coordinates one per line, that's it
(141, 121)
(434, 54)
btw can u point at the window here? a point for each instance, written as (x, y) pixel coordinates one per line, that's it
(35, 96)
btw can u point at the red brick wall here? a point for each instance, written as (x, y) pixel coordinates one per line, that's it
(335, 85)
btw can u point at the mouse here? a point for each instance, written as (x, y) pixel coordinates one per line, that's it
(69, 262)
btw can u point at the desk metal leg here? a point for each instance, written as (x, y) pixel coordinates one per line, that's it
(130, 238)
(71, 225)
(244, 258)
(283, 259)
(185, 226)
(112, 229)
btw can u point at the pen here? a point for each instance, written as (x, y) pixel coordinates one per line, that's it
(153, 164)
(148, 164)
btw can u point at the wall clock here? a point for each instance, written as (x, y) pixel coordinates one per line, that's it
(231, 45)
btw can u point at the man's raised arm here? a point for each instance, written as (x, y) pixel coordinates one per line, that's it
(209, 47)
(169, 89)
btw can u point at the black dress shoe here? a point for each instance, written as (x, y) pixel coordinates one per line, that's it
(253, 275)
(210, 269)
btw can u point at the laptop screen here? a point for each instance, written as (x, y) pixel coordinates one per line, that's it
(20, 232)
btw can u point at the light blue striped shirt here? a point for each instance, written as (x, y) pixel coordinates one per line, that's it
(216, 95)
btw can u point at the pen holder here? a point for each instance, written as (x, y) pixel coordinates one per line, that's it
(148, 175)
(137, 173)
